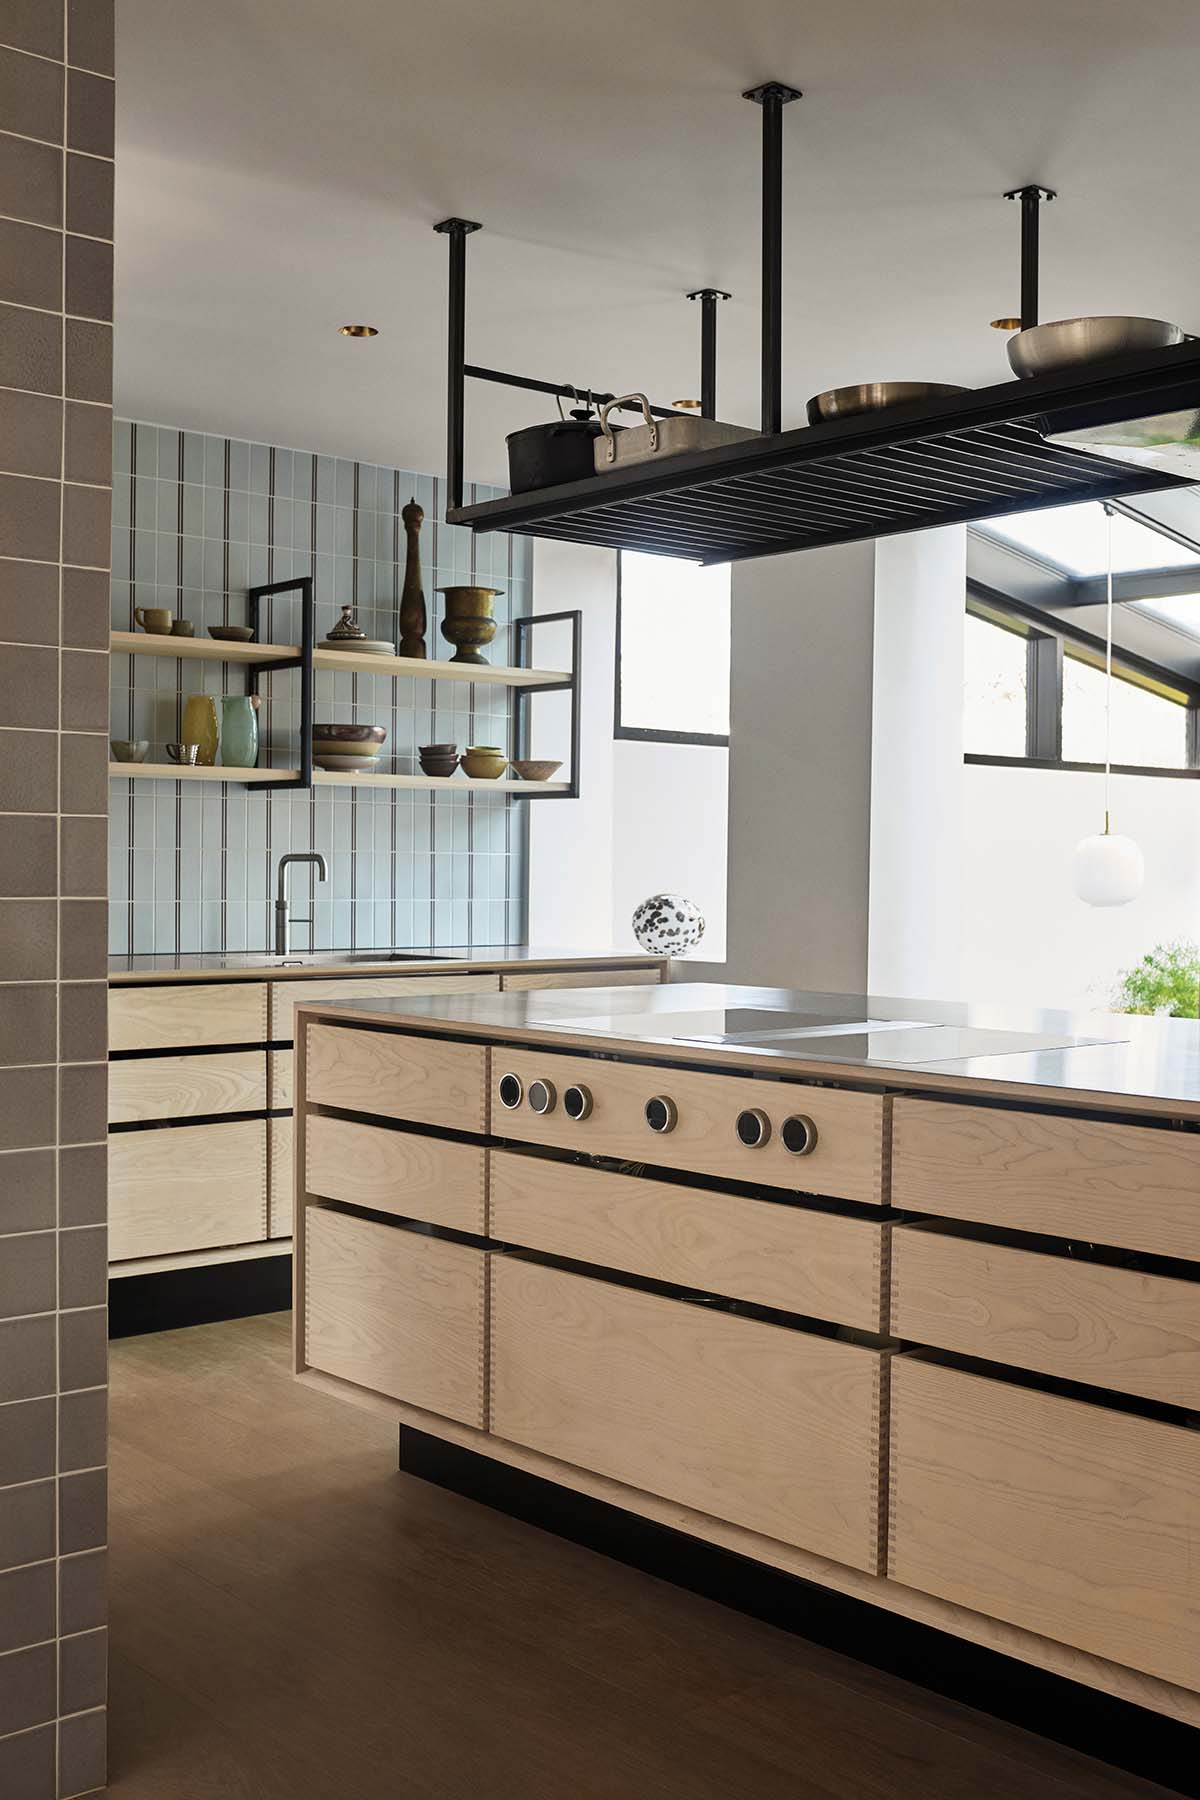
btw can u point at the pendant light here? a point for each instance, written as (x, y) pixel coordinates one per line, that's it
(1109, 869)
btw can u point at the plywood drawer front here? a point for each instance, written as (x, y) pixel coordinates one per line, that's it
(774, 1255)
(188, 1188)
(1132, 1185)
(282, 1068)
(1113, 1328)
(185, 1087)
(846, 1163)
(177, 1015)
(647, 976)
(281, 1167)
(1071, 1520)
(428, 1080)
(396, 1312)
(772, 1429)
(287, 995)
(399, 1172)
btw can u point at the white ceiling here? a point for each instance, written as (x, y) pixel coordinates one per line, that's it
(280, 163)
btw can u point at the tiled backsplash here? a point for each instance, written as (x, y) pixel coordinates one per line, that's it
(196, 521)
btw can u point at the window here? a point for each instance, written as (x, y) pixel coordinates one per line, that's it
(1147, 730)
(672, 650)
(994, 689)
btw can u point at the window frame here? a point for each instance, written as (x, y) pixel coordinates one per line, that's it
(644, 734)
(1047, 638)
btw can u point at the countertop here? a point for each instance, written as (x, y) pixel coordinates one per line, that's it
(1138, 1064)
(457, 959)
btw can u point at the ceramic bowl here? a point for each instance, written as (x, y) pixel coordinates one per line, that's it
(349, 734)
(130, 749)
(231, 634)
(438, 765)
(333, 761)
(483, 762)
(534, 768)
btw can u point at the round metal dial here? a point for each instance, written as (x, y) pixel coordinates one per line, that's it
(577, 1102)
(511, 1091)
(753, 1127)
(661, 1113)
(799, 1134)
(542, 1096)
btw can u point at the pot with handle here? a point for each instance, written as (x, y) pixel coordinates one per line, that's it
(545, 455)
(617, 447)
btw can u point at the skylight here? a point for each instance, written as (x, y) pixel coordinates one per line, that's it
(1075, 539)
(1180, 610)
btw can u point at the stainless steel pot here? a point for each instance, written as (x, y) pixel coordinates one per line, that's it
(618, 448)
(874, 396)
(1064, 343)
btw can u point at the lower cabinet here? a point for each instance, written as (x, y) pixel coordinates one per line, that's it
(1076, 1521)
(396, 1311)
(772, 1429)
(186, 1187)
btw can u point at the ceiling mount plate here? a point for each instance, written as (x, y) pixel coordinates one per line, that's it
(772, 90)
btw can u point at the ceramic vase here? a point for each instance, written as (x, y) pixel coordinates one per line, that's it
(239, 732)
(200, 727)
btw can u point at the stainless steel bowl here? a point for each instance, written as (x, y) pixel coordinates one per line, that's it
(874, 396)
(1064, 343)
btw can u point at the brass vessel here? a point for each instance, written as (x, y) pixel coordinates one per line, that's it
(468, 622)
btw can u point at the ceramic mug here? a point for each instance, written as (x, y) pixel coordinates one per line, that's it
(155, 619)
(183, 628)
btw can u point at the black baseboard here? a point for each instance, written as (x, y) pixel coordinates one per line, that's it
(1115, 1732)
(199, 1296)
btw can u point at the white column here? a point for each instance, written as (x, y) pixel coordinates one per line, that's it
(917, 766)
(800, 769)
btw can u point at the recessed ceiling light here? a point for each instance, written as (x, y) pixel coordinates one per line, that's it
(359, 331)
(1006, 324)
(687, 405)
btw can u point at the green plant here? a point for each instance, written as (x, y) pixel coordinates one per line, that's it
(1167, 980)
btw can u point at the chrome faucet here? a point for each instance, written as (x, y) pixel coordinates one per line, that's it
(283, 919)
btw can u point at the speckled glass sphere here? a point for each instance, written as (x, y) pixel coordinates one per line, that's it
(666, 924)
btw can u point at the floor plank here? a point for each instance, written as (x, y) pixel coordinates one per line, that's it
(292, 1619)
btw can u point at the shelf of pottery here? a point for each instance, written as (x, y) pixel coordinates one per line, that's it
(219, 734)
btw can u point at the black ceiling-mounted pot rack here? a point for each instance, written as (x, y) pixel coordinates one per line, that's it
(936, 462)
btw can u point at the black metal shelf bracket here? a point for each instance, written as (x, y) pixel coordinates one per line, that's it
(1031, 198)
(302, 585)
(458, 231)
(522, 696)
(772, 96)
(708, 298)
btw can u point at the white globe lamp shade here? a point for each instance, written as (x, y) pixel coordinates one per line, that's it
(1109, 870)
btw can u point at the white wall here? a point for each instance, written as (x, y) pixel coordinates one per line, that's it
(650, 816)
(800, 768)
(1026, 938)
(917, 766)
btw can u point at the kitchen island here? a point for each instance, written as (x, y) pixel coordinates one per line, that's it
(901, 1299)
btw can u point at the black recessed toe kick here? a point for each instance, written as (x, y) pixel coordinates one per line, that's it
(1113, 1731)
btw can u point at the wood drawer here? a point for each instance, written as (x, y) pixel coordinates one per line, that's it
(428, 1080)
(1114, 1328)
(771, 1254)
(177, 1015)
(1076, 1521)
(188, 1188)
(415, 1177)
(847, 1161)
(1131, 1185)
(280, 1178)
(646, 976)
(287, 995)
(396, 1312)
(184, 1087)
(771, 1429)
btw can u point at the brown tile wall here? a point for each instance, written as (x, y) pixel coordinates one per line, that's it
(56, 187)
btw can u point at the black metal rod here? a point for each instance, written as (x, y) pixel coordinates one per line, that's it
(708, 298)
(772, 96)
(457, 230)
(563, 389)
(1031, 198)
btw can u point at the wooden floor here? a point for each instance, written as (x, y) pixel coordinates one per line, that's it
(293, 1619)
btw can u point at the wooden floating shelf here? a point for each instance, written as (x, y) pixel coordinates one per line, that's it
(450, 784)
(350, 662)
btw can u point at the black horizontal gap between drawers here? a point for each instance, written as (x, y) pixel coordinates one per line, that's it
(1160, 1411)
(257, 1047)
(409, 1127)
(1055, 1109)
(226, 1118)
(1075, 1250)
(798, 1198)
(622, 1278)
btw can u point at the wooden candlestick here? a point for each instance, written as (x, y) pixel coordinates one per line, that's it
(413, 617)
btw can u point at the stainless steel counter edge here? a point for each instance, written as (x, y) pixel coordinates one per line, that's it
(457, 960)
